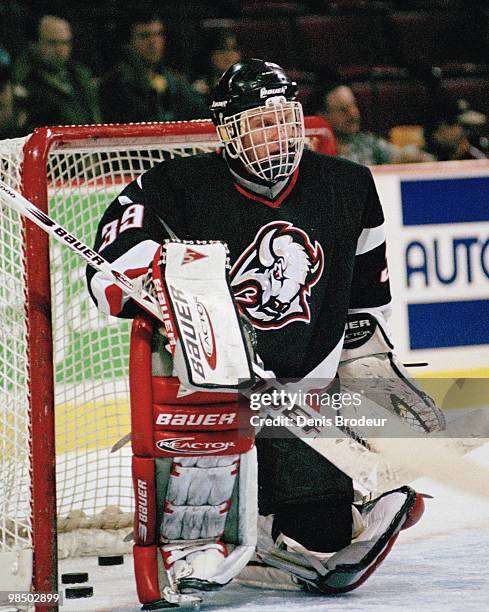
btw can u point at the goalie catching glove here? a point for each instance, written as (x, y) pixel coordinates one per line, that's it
(368, 363)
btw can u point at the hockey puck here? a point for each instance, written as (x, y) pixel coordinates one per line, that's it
(78, 592)
(74, 577)
(111, 560)
(161, 604)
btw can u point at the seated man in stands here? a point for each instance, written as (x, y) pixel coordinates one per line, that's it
(141, 87)
(339, 107)
(58, 90)
(445, 135)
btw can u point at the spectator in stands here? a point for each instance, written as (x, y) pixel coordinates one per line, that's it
(220, 51)
(475, 125)
(339, 106)
(59, 90)
(445, 135)
(341, 110)
(12, 115)
(141, 88)
(11, 119)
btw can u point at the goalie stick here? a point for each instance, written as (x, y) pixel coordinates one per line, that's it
(26, 208)
(375, 463)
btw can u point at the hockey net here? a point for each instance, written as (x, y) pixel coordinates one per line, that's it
(64, 391)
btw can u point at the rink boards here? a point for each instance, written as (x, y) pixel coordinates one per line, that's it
(437, 225)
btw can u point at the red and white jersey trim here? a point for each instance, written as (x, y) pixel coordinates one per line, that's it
(134, 263)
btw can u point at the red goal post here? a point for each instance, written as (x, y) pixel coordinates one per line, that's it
(64, 390)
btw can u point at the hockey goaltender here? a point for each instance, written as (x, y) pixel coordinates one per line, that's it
(305, 234)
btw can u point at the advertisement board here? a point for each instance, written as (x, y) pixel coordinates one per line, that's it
(437, 224)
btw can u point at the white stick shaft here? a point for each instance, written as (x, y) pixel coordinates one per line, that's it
(26, 208)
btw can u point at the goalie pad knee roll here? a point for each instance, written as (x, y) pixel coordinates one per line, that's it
(195, 479)
(368, 362)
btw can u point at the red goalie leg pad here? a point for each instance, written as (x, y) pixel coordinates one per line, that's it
(146, 573)
(214, 417)
(166, 388)
(143, 476)
(201, 429)
(140, 384)
(203, 443)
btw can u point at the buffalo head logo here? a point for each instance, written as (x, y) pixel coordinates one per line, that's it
(272, 279)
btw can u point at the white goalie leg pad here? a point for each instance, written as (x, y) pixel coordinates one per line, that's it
(367, 363)
(376, 528)
(206, 541)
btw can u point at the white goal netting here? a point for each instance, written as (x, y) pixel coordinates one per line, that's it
(15, 519)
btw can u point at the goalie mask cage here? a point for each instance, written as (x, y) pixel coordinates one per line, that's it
(64, 391)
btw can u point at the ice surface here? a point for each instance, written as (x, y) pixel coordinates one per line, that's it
(442, 563)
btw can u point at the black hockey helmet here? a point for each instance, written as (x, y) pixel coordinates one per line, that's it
(249, 84)
(258, 119)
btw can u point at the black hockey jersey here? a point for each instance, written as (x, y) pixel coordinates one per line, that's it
(300, 259)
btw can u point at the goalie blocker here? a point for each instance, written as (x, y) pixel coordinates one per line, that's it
(194, 474)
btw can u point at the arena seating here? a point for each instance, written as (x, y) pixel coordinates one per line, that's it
(271, 37)
(475, 90)
(385, 104)
(437, 37)
(390, 51)
(343, 40)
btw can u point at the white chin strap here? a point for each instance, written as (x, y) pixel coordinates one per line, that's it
(268, 140)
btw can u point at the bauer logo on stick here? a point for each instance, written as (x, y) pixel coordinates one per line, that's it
(42, 217)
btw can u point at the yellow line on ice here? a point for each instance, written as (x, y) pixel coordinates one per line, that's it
(457, 388)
